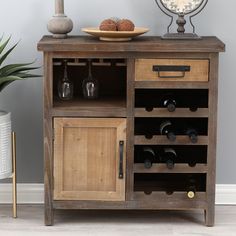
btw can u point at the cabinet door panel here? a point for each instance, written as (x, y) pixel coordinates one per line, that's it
(86, 158)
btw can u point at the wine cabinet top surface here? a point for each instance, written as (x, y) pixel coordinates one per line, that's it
(139, 44)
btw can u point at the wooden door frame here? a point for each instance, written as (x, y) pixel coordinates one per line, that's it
(59, 125)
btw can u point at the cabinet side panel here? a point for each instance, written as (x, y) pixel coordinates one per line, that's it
(130, 128)
(48, 157)
(212, 132)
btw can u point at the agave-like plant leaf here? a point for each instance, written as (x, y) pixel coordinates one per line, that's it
(4, 85)
(4, 56)
(18, 69)
(1, 38)
(2, 47)
(12, 67)
(26, 75)
(12, 72)
(9, 78)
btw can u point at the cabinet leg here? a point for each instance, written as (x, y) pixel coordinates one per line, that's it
(49, 217)
(209, 218)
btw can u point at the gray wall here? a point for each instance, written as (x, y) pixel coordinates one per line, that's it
(26, 20)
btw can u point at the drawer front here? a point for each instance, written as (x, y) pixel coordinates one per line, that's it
(171, 70)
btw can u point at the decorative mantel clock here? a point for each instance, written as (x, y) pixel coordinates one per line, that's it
(181, 8)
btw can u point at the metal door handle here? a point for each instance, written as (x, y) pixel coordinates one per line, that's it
(121, 171)
(173, 68)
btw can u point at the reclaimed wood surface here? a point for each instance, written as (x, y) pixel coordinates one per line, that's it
(87, 157)
(153, 201)
(199, 70)
(212, 133)
(130, 128)
(178, 168)
(163, 112)
(140, 44)
(163, 140)
(48, 140)
(103, 107)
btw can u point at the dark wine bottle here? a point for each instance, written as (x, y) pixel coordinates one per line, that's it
(169, 157)
(148, 134)
(149, 157)
(169, 102)
(191, 101)
(193, 107)
(192, 134)
(192, 162)
(191, 188)
(149, 108)
(166, 128)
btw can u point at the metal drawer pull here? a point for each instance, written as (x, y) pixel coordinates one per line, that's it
(121, 148)
(160, 69)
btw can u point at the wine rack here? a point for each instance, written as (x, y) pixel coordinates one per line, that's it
(190, 159)
(156, 98)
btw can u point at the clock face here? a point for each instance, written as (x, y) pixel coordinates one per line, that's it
(181, 6)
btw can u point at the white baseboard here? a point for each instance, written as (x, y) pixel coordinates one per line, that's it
(34, 194)
(226, 194)
(26, 193)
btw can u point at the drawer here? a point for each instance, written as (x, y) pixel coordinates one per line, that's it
(171, 70)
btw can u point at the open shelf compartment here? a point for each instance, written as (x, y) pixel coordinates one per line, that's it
(168, 183)
(111, 75)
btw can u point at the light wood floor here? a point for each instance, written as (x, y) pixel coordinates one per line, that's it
(116, 223)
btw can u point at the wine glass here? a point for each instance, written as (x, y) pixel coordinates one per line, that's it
(65, 86)
(90, 84)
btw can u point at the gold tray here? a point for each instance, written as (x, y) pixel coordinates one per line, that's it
(118, 36)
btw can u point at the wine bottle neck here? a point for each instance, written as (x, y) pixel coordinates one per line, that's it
(147, 163)
(191, 194)
(171, 136)
(192, 133)
(171, 107)
(170, 164)
(191, 188)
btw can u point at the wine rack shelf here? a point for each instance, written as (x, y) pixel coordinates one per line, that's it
(163, 140)
(103, 107)
(175, 199)
(147, 141)
(97, 62)
(163, 112)
(178, 168)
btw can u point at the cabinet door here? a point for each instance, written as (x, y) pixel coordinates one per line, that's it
(89, 159)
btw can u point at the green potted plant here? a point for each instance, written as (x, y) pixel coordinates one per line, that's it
(8, 74)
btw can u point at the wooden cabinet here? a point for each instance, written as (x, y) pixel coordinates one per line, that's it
(89, 159)
(93, 148)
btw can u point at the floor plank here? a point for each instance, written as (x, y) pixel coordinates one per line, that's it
(117, 223)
